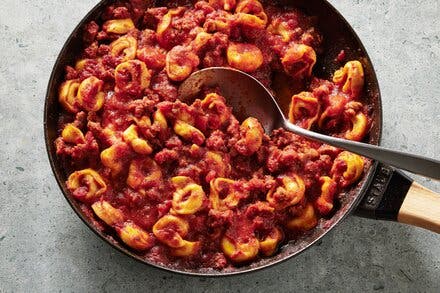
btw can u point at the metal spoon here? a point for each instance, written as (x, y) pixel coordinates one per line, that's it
(248, 97)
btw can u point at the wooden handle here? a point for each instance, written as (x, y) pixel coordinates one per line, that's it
(421, 208)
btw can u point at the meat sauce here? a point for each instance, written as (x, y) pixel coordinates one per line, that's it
(190, 186)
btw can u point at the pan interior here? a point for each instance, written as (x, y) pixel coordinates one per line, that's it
(338, 35)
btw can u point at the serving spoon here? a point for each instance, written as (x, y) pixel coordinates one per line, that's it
(250, 98)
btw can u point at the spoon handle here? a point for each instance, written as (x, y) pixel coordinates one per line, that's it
(410, 162)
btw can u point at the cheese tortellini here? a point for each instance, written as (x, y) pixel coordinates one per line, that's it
(72, 134)
(225, 193)
(281, 28)
(67, 95)
(107, 213)
(90, 95)
(304, 109)
(251, 14)
(351, 78)
(227, 5)
(246, 57)
(86, 185)
(139, 145)
(132, 77)
(113, 157)
(188, 197)
(171, 231)
(358, 121)
(299, 60)
(347, 168)
(180, 63)
(219, 166)
(160, 121)
(135, 237)
(324, 203)
(189, 132)
(252, 137)
(164, 27)
(289, 193)
(240, 250)
(143, 174)
(217, 110)
(124, 48)
(306, 220)
(118, 26)
(271, 241)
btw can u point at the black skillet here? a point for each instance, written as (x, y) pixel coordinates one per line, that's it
(384, 193)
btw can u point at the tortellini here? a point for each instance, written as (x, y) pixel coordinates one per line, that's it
(240, 250)
(107, 213)
(221, 22)
(152, 56)
(180, 63)
(252, 134)
(304, 109)
(90, 95)
(87, 94)
(225, 193)
(358, 130)
(72, 134)
(251, 14)
(132, 77)
(142, 122)
(271, 241)
(143, 174)
(188, 249)
(281, 28)
(217, 111)
(333, 112)
(171, 231)
(351, 78)
(86, 185)
(347, 168)
(124, 48)
(218, 164)
(324, 203)
(135, 237)
(114, 157)
(160, 121)
(81, 64)
(246, 57)
(289, 193)
(299, 60)
(358, 121)
(165, 24)
(67, 95)
(188, 197)
(139, 145)
(118, 26)
(188, 132)
(201, 40)
(305, 221)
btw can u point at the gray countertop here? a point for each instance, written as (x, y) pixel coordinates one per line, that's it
(45, 247)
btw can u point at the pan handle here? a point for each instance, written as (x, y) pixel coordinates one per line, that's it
(394, 196)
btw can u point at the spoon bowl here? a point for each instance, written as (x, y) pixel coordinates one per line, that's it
(250, 98)
(245, 94)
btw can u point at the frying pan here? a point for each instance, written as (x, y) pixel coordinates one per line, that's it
(383, 193)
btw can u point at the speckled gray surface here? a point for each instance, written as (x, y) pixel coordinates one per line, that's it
(45, 247)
